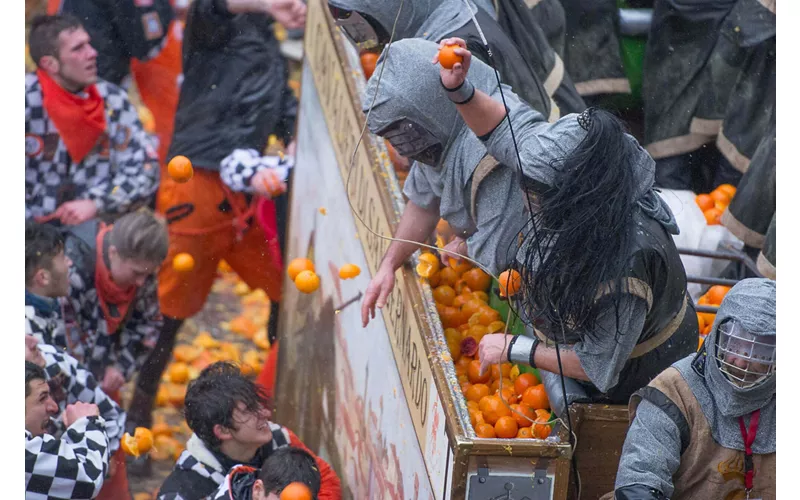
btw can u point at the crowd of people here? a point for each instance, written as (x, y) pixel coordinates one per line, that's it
(502, 146)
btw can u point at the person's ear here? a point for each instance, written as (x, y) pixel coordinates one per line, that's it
(222, 433)
(258, 490)
(42, 278)
(50, 64)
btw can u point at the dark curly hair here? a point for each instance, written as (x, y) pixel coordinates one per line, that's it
(42, 243)
(212, 397)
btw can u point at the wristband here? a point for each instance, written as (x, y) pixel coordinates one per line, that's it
(461, 94)
(521, 351)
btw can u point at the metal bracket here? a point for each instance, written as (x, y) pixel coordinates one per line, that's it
(509, 486)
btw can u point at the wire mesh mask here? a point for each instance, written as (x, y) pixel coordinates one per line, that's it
(746, 360)
(413, 141)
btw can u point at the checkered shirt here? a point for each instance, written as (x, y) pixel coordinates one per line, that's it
(47, 328)
(71, 382)
(238, 168)
(87, 332)
(119, 174)
(74, 466)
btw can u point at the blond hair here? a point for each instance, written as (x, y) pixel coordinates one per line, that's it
(141, 236)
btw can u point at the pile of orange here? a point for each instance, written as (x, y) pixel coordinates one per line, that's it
(460, 291)
(713, 297)
(713, 204)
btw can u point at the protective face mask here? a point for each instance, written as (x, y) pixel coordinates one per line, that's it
(413, 141)
(745, 359)
(361, 29)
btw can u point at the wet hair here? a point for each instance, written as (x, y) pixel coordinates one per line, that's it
(212, 397)
(32, 372)
(289, 465)
(140, 236)
(42, 243)
(583, 231)
(45, 30)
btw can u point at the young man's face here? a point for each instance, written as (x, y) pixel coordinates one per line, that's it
(77, 59)
(252, 428)
(39, 407)
(129, 272)
(53, 281)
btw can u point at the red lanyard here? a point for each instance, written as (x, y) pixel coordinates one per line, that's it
(749, 436)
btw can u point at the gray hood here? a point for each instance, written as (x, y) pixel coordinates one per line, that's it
(429, 19)
(751, 302)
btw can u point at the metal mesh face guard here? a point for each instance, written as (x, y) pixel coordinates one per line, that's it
(745, 359)
(358, 28)
(413, 141)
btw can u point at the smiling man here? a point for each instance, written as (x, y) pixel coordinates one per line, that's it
(86, 153)
(73, 466)
(229, 416)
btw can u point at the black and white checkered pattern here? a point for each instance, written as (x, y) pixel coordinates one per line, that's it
(47, 328)
(238, 168)
(78, 384)
(72, 467)
(91, 342)
(119, 175)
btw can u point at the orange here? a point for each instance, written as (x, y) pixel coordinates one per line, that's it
(473, 372)
(183, 262)
(244, 326)
(524, 381)
(428, 265)
(721, 196)
(475, 417)
(444, 294)
(507, 394)
(485, 430)
(504, 369)
(349, 271)
(128, 445)
(476, 391)
(701, 322)
(708, 321)
(443, 229)
(462, 365)
(185, 352)
(716, 293)
(704, 201)
(161, 428)
(728, 189)
(496, 327)
(514, 373)
(162, 396)
(448, 58)
(476, 332)
(493, 409)
(298, 265)
(462, 288)
(179, 373)
(482, 296)
(510, 283)
(433, 281)
(477, 280)
(206, 341)
(542, 416)
(448, 276)
(368, 62)
(180, 169)
(721, 206)
(525, 410)
(487, 316)
(712, 216)
(473, 405)
(536, 397)
(506, 427)
(176, 394)
(144, 439)
(524, 433)
(541, 431)
(450, 316)
(460, 267)
(700, 341)
(296, 491)
(307, 281)
(471, 307)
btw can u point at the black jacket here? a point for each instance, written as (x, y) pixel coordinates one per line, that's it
(234, 93)
(122, 29)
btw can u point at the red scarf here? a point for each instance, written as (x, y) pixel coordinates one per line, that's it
(109, 292)
(79, 121)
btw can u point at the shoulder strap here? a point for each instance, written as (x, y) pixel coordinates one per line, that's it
(656, 396)
(484, 168)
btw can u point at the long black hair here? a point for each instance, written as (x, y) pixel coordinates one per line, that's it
(580, 231)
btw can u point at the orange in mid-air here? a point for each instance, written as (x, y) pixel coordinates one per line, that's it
(296, 266)
(368, 62)
(448, 57)
(183, 262)
(180, 169)
(296, 491)
(307, 281)
(140, 442)
(349, 271)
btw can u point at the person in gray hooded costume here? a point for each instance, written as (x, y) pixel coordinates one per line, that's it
(452, 176)
(600, 272)
(369, 23)
(705, 427)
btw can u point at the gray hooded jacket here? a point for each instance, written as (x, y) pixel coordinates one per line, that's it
(651, 454)
(410, 88)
